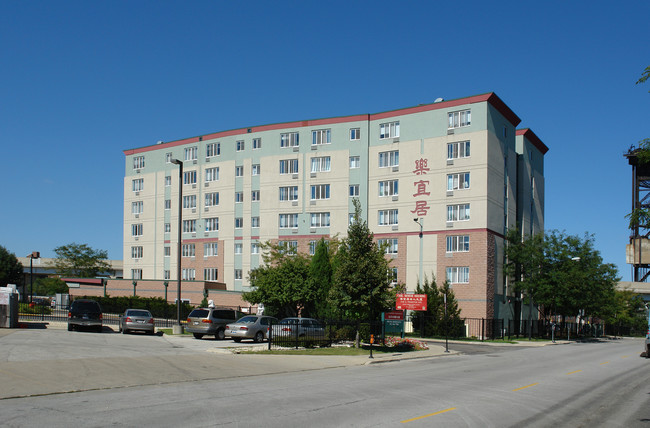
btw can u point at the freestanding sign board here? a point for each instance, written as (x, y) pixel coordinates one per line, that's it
(414, 302)
(393, 321)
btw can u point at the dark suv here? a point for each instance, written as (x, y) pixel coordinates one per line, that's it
(211, 321)
(85, 313)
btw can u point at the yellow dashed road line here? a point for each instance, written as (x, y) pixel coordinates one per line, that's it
(524, 387)
(577, 371)
(430, 414)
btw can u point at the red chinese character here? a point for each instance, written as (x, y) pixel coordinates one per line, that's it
(422, 188)
(421, 167)
(421, 208)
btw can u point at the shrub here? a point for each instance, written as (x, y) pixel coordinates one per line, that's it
(405, 344)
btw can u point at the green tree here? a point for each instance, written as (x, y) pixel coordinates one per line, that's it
(627, 313)
(80, 260)
(49, 286)
(11, 270)
(433, 320)
(320, 273)
(361, 282)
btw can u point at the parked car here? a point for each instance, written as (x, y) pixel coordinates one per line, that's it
(254, 327)
(211, 321)
(137, 320)
(85, 313)
(300, 327)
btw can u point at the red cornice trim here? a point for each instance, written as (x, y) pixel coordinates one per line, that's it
(88, 281)
(534, 139)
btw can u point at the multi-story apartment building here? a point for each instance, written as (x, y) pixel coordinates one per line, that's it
(441, 183)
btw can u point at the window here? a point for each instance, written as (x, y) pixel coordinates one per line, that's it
(210, 274)
(239, 171)
(167, 274)
(458, 212)
(288, 247)
(138, 184)
(320, 164)
(458, 150)
(212, 224)
(288, 221)
(168, 251)
(312, 247)
(168, 158)
(238, 247)
(210, 249)
(387, 217)
(212, 199)
(189, 274)
(255, 247)
(136, 207)
(189, 177)
(239, 197)
(289, 193)
(391, 245)
(136, 229)
(239, 222)
(289, 166)
(458, 244)
(238, 274)
(350, 218)
(255, 222)
(168, 227)
(320, 191)
(320, 220)
(388, 188)
(168, 204)
(240, 145)
(212, 174)
(389, 159)
(136, 252)
(320, 136)
(191, 153)
(392, 274)
(389, 130)
(257, 143)
(136, 273)
(212, 150)
(168, 180)
(354, 190)
(458, 181)
(289, 139)
(255, 170)
(255, 195)
(459, 119)
(189, 201)
(354, 162)
(188, 250)
(189, 226)
(458, 275)
(355, 134)
(138, 162)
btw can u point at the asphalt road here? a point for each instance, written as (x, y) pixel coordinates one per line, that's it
(600, 384)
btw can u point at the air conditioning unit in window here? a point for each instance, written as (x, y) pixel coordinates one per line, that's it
(207, 159)
(396, 169)
(450, 132)
(396, 198)
(296, 149)
(294, 175)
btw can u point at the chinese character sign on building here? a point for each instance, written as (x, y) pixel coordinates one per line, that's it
(414, 302)
(421, 190)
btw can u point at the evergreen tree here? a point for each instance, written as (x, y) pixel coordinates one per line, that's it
(11, 270)
(433, 319)
(320, 272)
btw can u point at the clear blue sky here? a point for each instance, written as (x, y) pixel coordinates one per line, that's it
(80, 81)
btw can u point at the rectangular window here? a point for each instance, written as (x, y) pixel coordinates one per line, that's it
(238, 274)
(212, 199)
(458, 150)
(212, 150)
(312, 247)
(458, 275)
(458, 212)
(168, 204)
(239, 222)
(239, 197)
(255, 195)
(210, 249)
(136, 273)
(355, 134)
(210, 274)
(255, 222)
(389, 130)
(320, 136)
(189, 274)
(320, 164)
(355, 162)
(354, 190)
(392, 274)
(189, 201)
(320, 220)
(289, 193)
(212, 174)
(391, 245)
(136, 252)
(138, 184)
(255, 169)
(189, 177)
(239, 171)
(255, 247)
(240, 145)
(136, 229)
(389, 188)
(188, 250)
(238, 247)
(168, 227)
(387, 217)
(168, 158)
(257, 143)
(168, 251)
(167, 274)
(288, 247)
(320, 191)
(289, 166)
(289, 139)
(389, 159)
(138, 162)
(136, 207)
(191, 153)
(458, 181)
(212, 224)
(189, 226)
(288, 221)
(168, 180)
(458, 119)
(458, 244)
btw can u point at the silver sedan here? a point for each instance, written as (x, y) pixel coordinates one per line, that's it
(254, 327)
(137, 320)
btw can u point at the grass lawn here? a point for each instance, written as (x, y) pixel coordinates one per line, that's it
(169, 331)
(334, 350)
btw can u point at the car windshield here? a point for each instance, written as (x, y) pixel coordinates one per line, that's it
(247, 320)
(199, 313)
(138, 313)
(225, 314)
(85, 306)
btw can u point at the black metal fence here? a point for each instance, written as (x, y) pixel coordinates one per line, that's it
(306, 332)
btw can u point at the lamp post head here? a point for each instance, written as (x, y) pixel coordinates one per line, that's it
(176, 161)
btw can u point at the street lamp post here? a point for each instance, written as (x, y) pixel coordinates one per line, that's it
(419, 222)
(32, 256)
(178, 329)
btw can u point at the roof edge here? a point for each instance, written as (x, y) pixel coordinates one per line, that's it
(533, 138)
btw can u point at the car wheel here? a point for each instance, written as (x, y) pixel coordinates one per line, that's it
(198, 335)
(647, 351)
(220, 335)
(237, 339)
(259, 337)
(69, 327)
